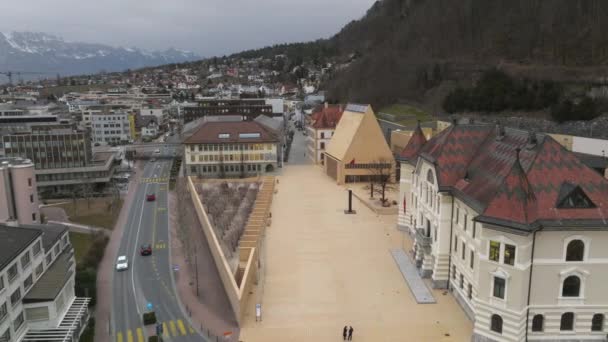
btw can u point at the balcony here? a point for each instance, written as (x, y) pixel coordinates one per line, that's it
(422, 240)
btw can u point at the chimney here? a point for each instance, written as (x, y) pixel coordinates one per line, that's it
(326, 104)
(532, 140)
(500, 131)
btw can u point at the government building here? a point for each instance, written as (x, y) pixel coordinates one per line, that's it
(514, 225)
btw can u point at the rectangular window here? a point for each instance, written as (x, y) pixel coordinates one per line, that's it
(1, 282)
(37, 248)
(29, 182)
(509, 256)
(461, 281)
(456, 244)
(57, 249)
(33, 216)
(39, 269)
(499, 288)
(464, 250)
(494, 254)
(453, 271)
(470, 291)
(18, 321)
(465, 222)
(31, 198)
(457, 214)
(474, 228)
(3, 312)
(29, 281)
(6, 337)
(16, 297)
(12, 272)
(472, 259)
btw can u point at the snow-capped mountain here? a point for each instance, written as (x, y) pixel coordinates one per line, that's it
(40, 52)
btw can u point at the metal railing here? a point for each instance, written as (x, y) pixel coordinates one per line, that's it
(423, 240)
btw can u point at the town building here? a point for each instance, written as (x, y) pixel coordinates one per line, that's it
(514, 225)
(247, 108)
(37, 299)
(276, 126)
(62, 157)
(358, 151)
(18, 192)
(320, 130)
(111, 128)
(221, 149)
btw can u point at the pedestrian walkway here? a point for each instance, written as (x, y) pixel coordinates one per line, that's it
(414, 281)
(172, 330)
(154, 180)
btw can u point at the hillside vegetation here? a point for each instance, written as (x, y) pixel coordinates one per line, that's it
(407, 47)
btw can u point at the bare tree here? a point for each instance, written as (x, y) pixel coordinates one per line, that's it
(382, 176)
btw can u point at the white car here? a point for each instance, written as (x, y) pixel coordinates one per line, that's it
(122, 263)
(157, 151)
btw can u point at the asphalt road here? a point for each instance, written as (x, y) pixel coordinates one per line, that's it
(147, 282)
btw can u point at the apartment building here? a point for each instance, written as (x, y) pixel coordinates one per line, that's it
(321, 128)
(111, 128)
(62, 157)
(37, 299)
(230, 149)
(18, 192)
(514, 225)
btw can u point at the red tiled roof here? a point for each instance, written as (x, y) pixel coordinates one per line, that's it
(327, 118)
(209, 132)
(521, 190)
(417, 140)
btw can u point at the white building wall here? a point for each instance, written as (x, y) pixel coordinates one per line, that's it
(597, 147)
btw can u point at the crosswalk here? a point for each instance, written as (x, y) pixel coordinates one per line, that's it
(173, 328)
(161, 245)
(154, 180)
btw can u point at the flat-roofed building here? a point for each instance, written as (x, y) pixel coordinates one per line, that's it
(230, 149)
(248, 109)
(18, 192)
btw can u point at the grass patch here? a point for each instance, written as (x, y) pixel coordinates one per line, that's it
(82, 243)
(100, 212)
(406, 114)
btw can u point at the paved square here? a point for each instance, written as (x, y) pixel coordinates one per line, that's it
(325, 269)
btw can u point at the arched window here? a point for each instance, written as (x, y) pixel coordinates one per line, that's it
(575, 250)
(429, 177)
(538, 323)
(597, 323)
(496, 324)
(571, 287)
(567, 322)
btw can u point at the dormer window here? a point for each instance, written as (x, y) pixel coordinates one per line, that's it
(573, 197)
(429, 177)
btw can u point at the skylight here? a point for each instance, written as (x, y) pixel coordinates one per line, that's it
(249, 135)
(224, 136)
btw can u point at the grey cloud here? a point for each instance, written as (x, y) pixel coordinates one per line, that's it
(208, 27)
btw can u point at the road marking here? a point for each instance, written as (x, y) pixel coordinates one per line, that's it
(181, 326)
(119, 337)
(161, 245)
(161, 209)
(141, 215)
(129, 336)
(173, 329)
(140, 335)
(165, 330)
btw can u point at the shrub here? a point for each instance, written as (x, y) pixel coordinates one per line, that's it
(149, 318)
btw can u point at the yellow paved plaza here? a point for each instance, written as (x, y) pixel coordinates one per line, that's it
(325, 269)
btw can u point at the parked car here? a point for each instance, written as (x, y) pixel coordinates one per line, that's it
(150, 197)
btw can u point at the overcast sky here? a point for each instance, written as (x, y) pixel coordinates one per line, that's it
(207, 27)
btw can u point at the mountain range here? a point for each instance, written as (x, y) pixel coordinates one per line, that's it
(36, 54)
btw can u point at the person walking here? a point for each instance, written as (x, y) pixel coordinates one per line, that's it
(344, 332)
(350, 333)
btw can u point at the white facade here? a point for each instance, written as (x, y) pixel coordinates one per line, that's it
(515, 286)
(110, 128)
(317, 140)
(234, 159)
(157, 112)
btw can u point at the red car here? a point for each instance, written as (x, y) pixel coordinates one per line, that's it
(150, 198)
(145, 250)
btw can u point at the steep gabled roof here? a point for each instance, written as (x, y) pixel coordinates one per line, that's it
(417, 140)
(327, 117)
(518, 179)
(345, 132)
